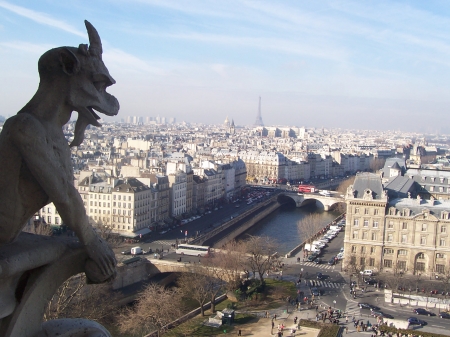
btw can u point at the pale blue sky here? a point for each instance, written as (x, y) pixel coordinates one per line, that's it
(349, 64)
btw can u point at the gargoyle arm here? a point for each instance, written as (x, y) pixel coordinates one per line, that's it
(30, 137)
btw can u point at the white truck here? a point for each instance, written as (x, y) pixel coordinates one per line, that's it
(325, 193)
(311, 247)
(136, 251)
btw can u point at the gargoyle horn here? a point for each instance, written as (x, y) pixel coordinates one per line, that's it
(95, 44)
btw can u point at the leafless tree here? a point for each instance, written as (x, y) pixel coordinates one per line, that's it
(309, 226)
(106, 233)
(357, 264)
(155, 308)
(445, 279)
(230, 261)
(342, 188)
(377, 164)
(261, 255)
(75, 298)
(39, 228)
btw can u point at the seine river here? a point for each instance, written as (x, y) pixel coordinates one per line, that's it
(282, 225)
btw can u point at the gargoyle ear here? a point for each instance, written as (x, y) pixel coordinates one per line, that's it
(69, 62)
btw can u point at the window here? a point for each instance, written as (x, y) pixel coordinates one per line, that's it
(365, 235)
(423, 240)
(362, 261)
(375, 211)
(353, 249)
(374, 236)
(404, 225)
(424, 227)
(356, 222)
(357, 210)
(372, 250)
(388, 263)
(443, 229)
(440, 268)
(420, 256)
(391, 224)
(401, 265)
(402, 252)
(390, 237)
(442, 242)
(420, 266)
(440, 256)
(366, 223)
(366, 211)
(404, 238)
(57, 220)
(371, 262)
(431, 188)
(363, 249)
(375, 224)
(49, 219)
(388, 251)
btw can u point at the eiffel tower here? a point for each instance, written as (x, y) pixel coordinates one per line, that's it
(259, 121)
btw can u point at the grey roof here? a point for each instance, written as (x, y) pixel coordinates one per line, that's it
(391, 162)
(417, 206)
(371, 181)
(399, 187)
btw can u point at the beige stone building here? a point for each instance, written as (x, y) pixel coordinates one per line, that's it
(402, 235)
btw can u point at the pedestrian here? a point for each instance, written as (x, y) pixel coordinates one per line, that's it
(273, 324)
(267, 314)
(346, 329)
(358, 328)
(239, 332)
(346, 319)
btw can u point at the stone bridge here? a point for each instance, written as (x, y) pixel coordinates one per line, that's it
(302, 199)
(167, 266)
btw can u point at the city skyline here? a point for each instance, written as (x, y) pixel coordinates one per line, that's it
(341, 64)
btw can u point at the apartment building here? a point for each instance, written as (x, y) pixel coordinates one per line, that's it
(407, 235)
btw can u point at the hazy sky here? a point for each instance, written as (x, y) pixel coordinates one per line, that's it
(350, 64)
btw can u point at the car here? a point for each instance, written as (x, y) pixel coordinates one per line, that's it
(367, 272)
(318, 261)
(444, 315)
(312, 257)
(421, 311)
(126, 252)
(320, 276)
(237, 206)
(368, 306)
(416, 321)
(315, 291)
(370, 281)
(376, 313)
(434, 292)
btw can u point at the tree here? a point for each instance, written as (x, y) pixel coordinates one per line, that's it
(230, 262)
(261, 255)
(197, 285)
(377, 164)
(154, 309)
(309, 227)
(106, 233)
(75, 298)
(342, 188)
(357, 264)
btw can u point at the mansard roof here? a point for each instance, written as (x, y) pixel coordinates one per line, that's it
(368, 183)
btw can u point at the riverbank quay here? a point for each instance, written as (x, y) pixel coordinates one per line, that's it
(299, 248)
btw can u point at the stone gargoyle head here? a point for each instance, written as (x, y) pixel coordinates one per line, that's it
(80, 75)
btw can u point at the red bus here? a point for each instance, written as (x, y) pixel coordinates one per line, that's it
(306, 188)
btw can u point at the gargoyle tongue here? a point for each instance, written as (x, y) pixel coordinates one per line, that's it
(84, 119)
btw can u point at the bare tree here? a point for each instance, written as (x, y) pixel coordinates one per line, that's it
(39, 227)
(155, 308)
(75, 298)
(342, 188)
(106, 233)
(445, 279)
(309, 227)
(261, 254)
(197, 285)
(377, 164)
(357, 264)
(230, 261)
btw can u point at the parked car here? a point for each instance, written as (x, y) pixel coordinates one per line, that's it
(312, 257)
(421, 311)
(367, 272)
(444, 315)
(318, 261)
(332, 261)
(370, 281)
(416, 321)
(368, 306)
(126, 252)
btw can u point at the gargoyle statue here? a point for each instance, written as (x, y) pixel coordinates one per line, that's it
(35, 156)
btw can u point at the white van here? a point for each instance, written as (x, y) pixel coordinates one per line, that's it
(367, 272)
(136, 251)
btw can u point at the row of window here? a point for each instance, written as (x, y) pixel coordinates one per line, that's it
(366, 211)
(390, 225)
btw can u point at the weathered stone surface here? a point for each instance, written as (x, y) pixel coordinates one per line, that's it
(36, 169)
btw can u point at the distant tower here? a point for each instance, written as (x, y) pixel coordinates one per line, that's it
(259, 121)
(232, 128)
(227, 122)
